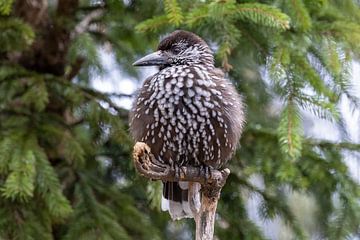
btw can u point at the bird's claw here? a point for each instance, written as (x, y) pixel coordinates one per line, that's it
(175, 169)
(206, 172)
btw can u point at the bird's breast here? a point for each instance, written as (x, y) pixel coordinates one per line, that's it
(184, 115)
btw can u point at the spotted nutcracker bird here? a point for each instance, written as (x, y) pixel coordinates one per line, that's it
(187, 113)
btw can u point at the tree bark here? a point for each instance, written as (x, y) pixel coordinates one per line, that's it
(205, 219)
(148, 166)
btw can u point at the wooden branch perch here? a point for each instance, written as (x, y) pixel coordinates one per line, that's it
(85, 22)
(148, 166)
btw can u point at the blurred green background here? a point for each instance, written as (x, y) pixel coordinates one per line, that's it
(65, 150)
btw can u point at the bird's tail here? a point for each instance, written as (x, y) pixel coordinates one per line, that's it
(181, 199)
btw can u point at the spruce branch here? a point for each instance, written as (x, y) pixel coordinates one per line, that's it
(49, 186)
(263, 14)
(120, 95)
(304, 67)
(92, 94)
(197, 15)
(15, 35)
(152, 24)
(300, 15)
(290, 131)
(272, 202)
(319, 106)
(19, 184)
(173, 11)
(223, 53)
(253, 40)
(5, 7)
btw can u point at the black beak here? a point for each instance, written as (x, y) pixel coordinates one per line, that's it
(152, 59)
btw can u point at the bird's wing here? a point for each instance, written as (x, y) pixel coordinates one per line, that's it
(137, 126)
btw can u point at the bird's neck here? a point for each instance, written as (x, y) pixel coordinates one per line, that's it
(207, 59)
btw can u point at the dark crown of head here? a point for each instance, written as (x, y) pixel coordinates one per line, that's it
(180, 35)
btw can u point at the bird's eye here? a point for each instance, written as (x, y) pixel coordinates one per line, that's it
(176, 50)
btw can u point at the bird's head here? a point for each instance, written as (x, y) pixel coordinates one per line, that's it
(179, 48)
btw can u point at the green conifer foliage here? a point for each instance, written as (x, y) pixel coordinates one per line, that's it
(65, 150)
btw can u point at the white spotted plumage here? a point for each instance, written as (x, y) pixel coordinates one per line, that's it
(186, 104)
(188, 113)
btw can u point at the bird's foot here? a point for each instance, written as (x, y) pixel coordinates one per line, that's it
(174, 167)
(206, 172)
(212, 180)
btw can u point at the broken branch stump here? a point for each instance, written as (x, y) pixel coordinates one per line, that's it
(148, 166)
